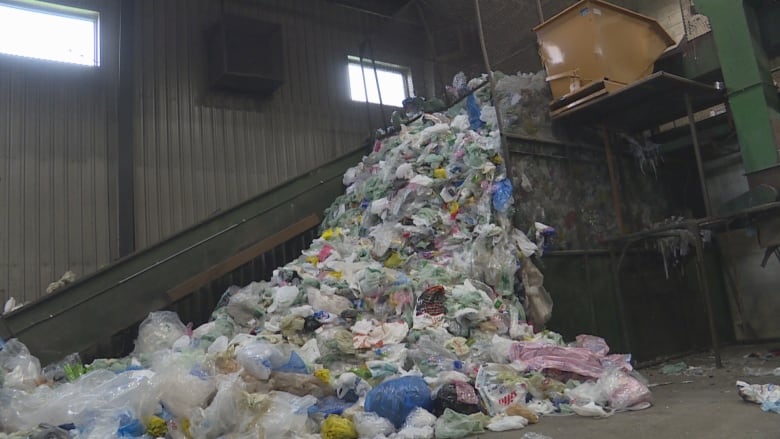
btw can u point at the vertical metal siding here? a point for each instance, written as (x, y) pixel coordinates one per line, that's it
(198, 152)
(194, 153)
(55, 135)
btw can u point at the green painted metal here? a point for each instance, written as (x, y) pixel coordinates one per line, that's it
(745, 67)
(769, 21)
(120, 295)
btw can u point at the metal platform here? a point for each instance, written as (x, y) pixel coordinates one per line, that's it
(645, 104)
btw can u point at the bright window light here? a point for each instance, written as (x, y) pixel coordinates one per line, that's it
(393, 82)
(50, 32)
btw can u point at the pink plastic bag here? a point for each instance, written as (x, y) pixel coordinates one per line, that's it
(540, 356)
(597, 345)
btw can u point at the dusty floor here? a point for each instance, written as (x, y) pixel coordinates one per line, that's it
(687, 405)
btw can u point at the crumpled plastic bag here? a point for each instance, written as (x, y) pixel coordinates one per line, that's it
(336, 427)
(506, 423)
(592, 410)
(158, 331)
(370, 425)
(624, 391)
(181, 391)
(418, 425)
(454, 425)
(539, 301)
(67, 369)
(395, 399)
(499, 386)
(287, 415)
(21, 369)
(597, 345)
(100, 391)
(351, 387)
(768, 395)
(458, 396)
(259, 358)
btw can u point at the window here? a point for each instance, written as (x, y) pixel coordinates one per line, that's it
(394, 82)
(48, 31)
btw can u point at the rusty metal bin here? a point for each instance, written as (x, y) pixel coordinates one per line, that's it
(594, 40)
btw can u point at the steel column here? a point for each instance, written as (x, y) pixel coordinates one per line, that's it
(745, 67)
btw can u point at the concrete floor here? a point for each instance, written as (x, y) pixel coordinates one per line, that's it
(686, 406)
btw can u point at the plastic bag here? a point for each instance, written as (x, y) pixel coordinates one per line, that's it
(453, 425)
(597, 345)
(181, 392)
(539, 301)
(68, 369)
(592, 410)
(351, 387)
(284, 297)
(394, 399)
(225, 412)
(22, 370)
(459, 396)
(541, 356)
(506, 423)
(534, 435)
(500, 386)
(100, 391)
(287, 415)
(370, 425)
(159, 331)
(768, 395)
(520, 409)
(474, 113)
(299, 384)
(502, 195)
(259, 357)
(330, 405)
(624, 391)
(336, 427)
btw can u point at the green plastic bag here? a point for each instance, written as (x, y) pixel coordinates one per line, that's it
(454, 425)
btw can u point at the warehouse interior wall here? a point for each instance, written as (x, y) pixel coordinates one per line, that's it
(57, 165)
(197, 152)
(91, 158)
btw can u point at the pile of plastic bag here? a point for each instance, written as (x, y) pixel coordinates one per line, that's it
(413, 315)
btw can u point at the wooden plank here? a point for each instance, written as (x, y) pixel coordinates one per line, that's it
(185, 288)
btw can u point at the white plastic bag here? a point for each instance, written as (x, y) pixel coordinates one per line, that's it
(370, 425)
(505, 423)
(22, 370)
(284, 297)
(158, 331)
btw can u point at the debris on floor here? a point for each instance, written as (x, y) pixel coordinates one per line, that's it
(417, 312)
(768, 395)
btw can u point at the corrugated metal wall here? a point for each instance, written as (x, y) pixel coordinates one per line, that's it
(197, 152)
(193, 152)
(56, 133)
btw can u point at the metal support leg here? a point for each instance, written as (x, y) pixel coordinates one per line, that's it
(615, 265)
(774, 250)
(613, 182)
(705, 291)
(696, 149)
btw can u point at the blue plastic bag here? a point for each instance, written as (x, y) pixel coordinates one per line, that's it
(395, 399)
(330, 405)
(294, 365)
(474, 112)
(502, 195)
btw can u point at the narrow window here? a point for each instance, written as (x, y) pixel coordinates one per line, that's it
(394, 82)
(49, 31)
